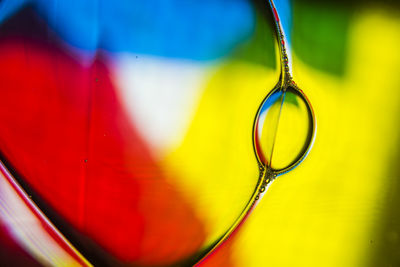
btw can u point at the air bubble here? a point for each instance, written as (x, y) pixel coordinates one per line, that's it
(284, 129)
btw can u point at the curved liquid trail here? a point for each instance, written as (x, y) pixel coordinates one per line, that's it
(285, 93)
(267, 118)
(267, 175)
(283, 20)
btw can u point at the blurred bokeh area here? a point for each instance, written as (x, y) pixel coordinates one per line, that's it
(126, 133)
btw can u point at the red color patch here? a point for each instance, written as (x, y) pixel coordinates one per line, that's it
(64, 131)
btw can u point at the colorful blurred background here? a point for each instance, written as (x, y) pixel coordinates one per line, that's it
(126, 133)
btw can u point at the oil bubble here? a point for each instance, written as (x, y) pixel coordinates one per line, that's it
(284, 129)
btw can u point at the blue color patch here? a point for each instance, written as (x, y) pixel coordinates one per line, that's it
(191, 29)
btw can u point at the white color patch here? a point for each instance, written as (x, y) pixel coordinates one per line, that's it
(161, 96)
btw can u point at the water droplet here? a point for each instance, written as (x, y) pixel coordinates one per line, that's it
(284, 129)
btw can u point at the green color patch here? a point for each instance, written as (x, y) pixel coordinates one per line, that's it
(260, 48)
(291, 99)
(320, 34)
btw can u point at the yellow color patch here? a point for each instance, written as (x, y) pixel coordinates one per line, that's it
(323, 213)
(216, 160)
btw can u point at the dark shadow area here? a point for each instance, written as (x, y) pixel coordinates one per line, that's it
(384, 240)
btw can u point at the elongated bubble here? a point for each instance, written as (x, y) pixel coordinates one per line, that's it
(283, 129)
